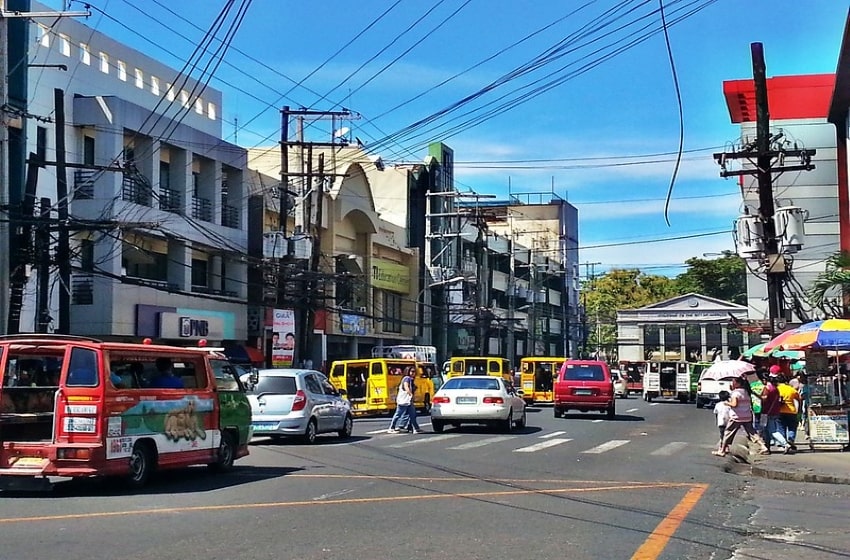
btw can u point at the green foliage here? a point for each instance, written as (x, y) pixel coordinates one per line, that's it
(831, 284)
(722, 278)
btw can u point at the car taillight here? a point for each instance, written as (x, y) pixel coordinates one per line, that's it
(73, 453)
(440, 400)
(493, 400)
(300, 400)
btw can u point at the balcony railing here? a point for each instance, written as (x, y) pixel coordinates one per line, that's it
(84, 184)
(213, 292)
(134, 190)
(230, 217)
(82, 289)
(170, 200)
(202, 209)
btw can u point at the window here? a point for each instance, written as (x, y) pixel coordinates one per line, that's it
(199, 106)
(85, 54)
(392, 312)
(184, 97)
(43, 36)
(82, 369)
(64, 45)
(140, 78)
(313, 384)
(41, 143)
(164, 175)
(154, 85)
(169, 92)
(225, 375)
(211, 111)
(104, 63)
(199, 273)
(122, 71)
(279, 385)
(88, 150)
(87, 255)
(584, 372)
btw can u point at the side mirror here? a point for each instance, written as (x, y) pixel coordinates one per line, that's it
(255, 376)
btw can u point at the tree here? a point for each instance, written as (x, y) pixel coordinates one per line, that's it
(618, 289)
(722, 278)
(829, 289)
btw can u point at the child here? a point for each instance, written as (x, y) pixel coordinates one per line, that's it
(721, 412)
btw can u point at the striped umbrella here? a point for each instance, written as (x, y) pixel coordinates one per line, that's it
(830, 334)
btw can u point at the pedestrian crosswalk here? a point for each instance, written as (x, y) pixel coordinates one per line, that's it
(464, 441)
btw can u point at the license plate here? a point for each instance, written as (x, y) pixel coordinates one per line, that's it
(467, 400)
(263, 426)
(29, 462)
(584, 392)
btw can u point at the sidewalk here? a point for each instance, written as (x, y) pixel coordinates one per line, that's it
(826, 464)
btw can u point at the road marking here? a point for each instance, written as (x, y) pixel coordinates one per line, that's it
(632, 410)
(607, 446)
(373, 432)
(542, 445)
(419, 439)
(553, 434)
(482, 442)
(654, 545)
(157, 513)
(597, 421)
(333, 494)
(654, 404)
(670, 448)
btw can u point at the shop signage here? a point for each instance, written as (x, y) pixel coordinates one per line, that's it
(387, 275)
(190, 327)
(829, 428)
(352, 324)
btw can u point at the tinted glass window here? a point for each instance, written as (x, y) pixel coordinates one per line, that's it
(276, 385)
(82, 370)
(313, 384)
(584, 372)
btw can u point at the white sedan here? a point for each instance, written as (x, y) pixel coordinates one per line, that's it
(477, 399)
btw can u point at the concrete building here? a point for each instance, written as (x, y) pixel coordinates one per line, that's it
(158, 202)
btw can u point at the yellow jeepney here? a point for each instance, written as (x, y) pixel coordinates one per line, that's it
(536, 377)
(371, 385)
(480, 365)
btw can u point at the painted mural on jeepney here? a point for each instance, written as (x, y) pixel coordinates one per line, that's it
(175, 425)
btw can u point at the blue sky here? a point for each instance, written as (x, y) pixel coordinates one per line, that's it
(603, 134)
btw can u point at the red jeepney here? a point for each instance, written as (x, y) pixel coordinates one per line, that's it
(633, 374)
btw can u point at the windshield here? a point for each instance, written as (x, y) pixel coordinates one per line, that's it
(475, 384)
(279, 385)
(584, 372)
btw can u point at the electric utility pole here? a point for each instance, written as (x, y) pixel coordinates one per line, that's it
(591, 266)
(767, 152)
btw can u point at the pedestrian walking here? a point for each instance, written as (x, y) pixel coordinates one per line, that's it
(774, 432)
(789, 404)
(722, 413)
(401, 417)
(741, 416)
(408, 384)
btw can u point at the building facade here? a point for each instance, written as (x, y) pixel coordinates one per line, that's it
(156, 201)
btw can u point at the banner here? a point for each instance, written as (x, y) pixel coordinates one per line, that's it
(283, 338)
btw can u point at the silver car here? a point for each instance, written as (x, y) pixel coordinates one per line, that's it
(297, 402)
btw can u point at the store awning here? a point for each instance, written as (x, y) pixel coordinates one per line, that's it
(245, 355)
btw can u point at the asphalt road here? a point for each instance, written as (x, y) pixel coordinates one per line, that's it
(644, 485)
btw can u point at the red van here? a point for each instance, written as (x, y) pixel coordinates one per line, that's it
(584, 385)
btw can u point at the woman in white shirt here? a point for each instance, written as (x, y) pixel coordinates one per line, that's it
(741, 416)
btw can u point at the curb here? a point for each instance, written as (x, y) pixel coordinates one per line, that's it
(739, 463)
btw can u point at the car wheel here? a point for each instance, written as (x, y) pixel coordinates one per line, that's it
(226, 453)
(558, 412)
(437, 426)
(523, 420)
(507, 424)
(311, 432)
(142, 464)
(611, 412)
(347, 426)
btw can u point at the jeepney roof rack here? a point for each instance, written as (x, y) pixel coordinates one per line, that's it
(51, 336)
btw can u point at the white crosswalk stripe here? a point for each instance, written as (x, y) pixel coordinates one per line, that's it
(632, 410)
(482, 442)
(542, 445)
(418, 439)
(551, 435)
(373, 432)
(607, 446)
(670, 448)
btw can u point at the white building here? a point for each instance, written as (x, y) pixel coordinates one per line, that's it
(158, 209)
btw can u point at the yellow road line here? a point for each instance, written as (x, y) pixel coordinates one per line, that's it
(658, 539)
(495, 480)
(159, 511)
